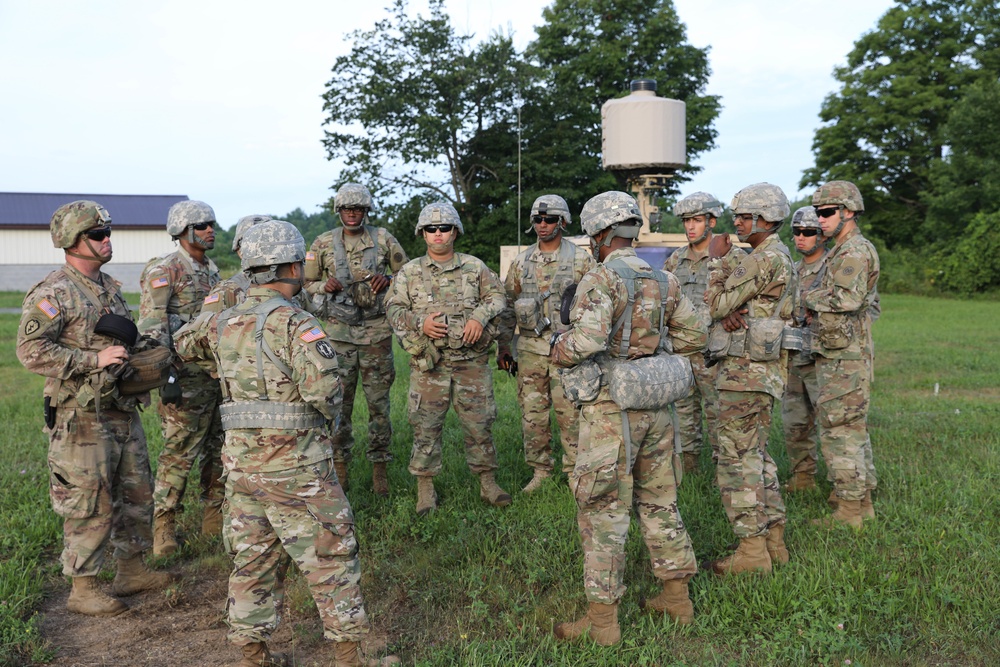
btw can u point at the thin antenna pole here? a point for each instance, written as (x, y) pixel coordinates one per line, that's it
(519, 179)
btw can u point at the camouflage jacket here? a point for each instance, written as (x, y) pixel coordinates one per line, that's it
(843, 303)
(56, 337)
(462, 288)
(807, 276)
(691, 269)
(233, 291)
(174, 288)
(760, 282)
(298, 340)
(602, 298)
(321, 262)
(546, 269)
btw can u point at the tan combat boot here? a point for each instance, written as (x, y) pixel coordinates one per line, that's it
(848, 513)
(134, 577)
(867, 508)
(601, 623)
(426, 498)
(257, 654)
(801, 481)
(380, 479)
(341, 468)
(164, 534)
(211, 520)
(490, 492)
(750, 556)
(674, 600)
(832, 500)
(775, 542)
(541, 474)
(87, 598)
(346, 655)
(690, 462)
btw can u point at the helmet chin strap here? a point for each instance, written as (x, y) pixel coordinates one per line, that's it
(704, 235)
(195, 241)
(93, 257)
(817, 246)
(843, 221)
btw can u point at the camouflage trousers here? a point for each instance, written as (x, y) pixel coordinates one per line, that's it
(606, 485)
(689, 410)
(746, 473)
(466, 385)
(538, 390)
(842, 409)
(190, 430)
(275, 518)
(100, 483)
(373, 363)
(798, 418)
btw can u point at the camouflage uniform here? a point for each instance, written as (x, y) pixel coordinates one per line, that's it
(606, 481)
(364, 345)
(99, 478)
(843, 351)
(463, 288)
(173, 289)
(538, 385)
(747, 476)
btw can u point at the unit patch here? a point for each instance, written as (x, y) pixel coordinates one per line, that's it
(325, 350)
(31, 326)
(740, 272)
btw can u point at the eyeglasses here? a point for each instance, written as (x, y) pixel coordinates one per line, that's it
(744, 217)
(444, 229)
(545, 219)
(804, 232)
(827, 212)
(354, 209)
(202, 226)
(98, 233)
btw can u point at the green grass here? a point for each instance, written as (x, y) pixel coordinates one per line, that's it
(476, 585)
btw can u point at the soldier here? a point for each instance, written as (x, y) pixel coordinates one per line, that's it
(750, 301)
(99, 467)
(346, 272)
(620, 309)
(232, 291)
(444, 307)
(798, 404)
(699, 212)
(535, 284)
(284, 502)
(174, 287)
(841, 310)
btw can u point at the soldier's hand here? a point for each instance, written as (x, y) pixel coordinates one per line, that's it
(472, 331)
(505, 360)
(809, 317)
(433, 328)
(719, 246)
(115, 354)
(379, 282)
(734, 321)
(333, 285)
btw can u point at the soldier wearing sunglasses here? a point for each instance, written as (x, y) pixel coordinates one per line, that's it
(174, 288)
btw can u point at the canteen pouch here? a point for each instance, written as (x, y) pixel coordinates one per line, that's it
(650, 383)
(718, 342)
(834, 331)
(582, 382)
(530, 314)
(456, 329)
(764, 339)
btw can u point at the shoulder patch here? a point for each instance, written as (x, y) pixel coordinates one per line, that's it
(310, 256)
(740, 272)
(316, 333)
(158, 282)
(46, 307)
(212, 298)
(848, 270)
(31, 326)
(397, 257)
(325, 350)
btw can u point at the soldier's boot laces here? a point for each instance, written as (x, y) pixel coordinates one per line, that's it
(380, 479)
(601, 623)
(164, 534)
(867, 508)
(346, 654)
(848, 513)
(750, 556)
(801, 481)
(257, 654)
(341, 468)
(536, 480)
(675, 600)
(490, 492)
(690, 462)
(211, 520)
(775, 542)
(87, 598)
(134, 577)
(426, 497)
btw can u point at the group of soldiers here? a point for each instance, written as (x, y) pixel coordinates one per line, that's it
(262, 369)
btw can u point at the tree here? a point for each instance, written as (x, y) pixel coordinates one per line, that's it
(885, 127)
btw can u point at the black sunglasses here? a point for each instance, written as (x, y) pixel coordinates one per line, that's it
(804, 232)
(439, 228)
(545, 219)
(826, 212)
(202, 226)
(98, 233)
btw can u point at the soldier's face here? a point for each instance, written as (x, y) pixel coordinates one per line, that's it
(547, 227)
(94, 242)
(694, 227)
(438, 240)
(744, 224)
(805, 238)
(352, 217)
(204, 234)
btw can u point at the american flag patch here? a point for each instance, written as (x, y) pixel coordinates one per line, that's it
(159, 282)
(313, 334)
(211, 298)
(46, 307)
(310, 256)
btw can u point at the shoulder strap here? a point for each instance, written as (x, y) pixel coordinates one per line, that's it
(630, 276)
(261, 310)
(369, 258)
(342, 269)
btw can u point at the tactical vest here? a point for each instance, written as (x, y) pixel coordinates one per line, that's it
(545, 304)
(797, 337)
(693, 283)
(342, 305)
(456, 312)
(262, 412)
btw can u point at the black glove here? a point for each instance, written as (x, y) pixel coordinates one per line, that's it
(566, 303)
(170, 393)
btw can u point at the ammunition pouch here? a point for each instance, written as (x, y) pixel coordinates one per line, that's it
(427, 358)
(530, 314)
(760, 341)
(834, 331)
(269, 414)
(582, 382)
(649, 383)
(341, 307)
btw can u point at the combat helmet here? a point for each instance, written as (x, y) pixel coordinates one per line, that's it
(699, 203)
(805, 218)
(184, 214)
(271, 243)
(762, 201)
(552, 205)
(843, 195)
(611, 209)
(438, 213)
(353, 195)
(72, 219)
(245, 223)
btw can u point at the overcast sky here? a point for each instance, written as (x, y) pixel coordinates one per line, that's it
(220, 101)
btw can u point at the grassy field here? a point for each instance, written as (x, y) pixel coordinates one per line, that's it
(475, 585)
